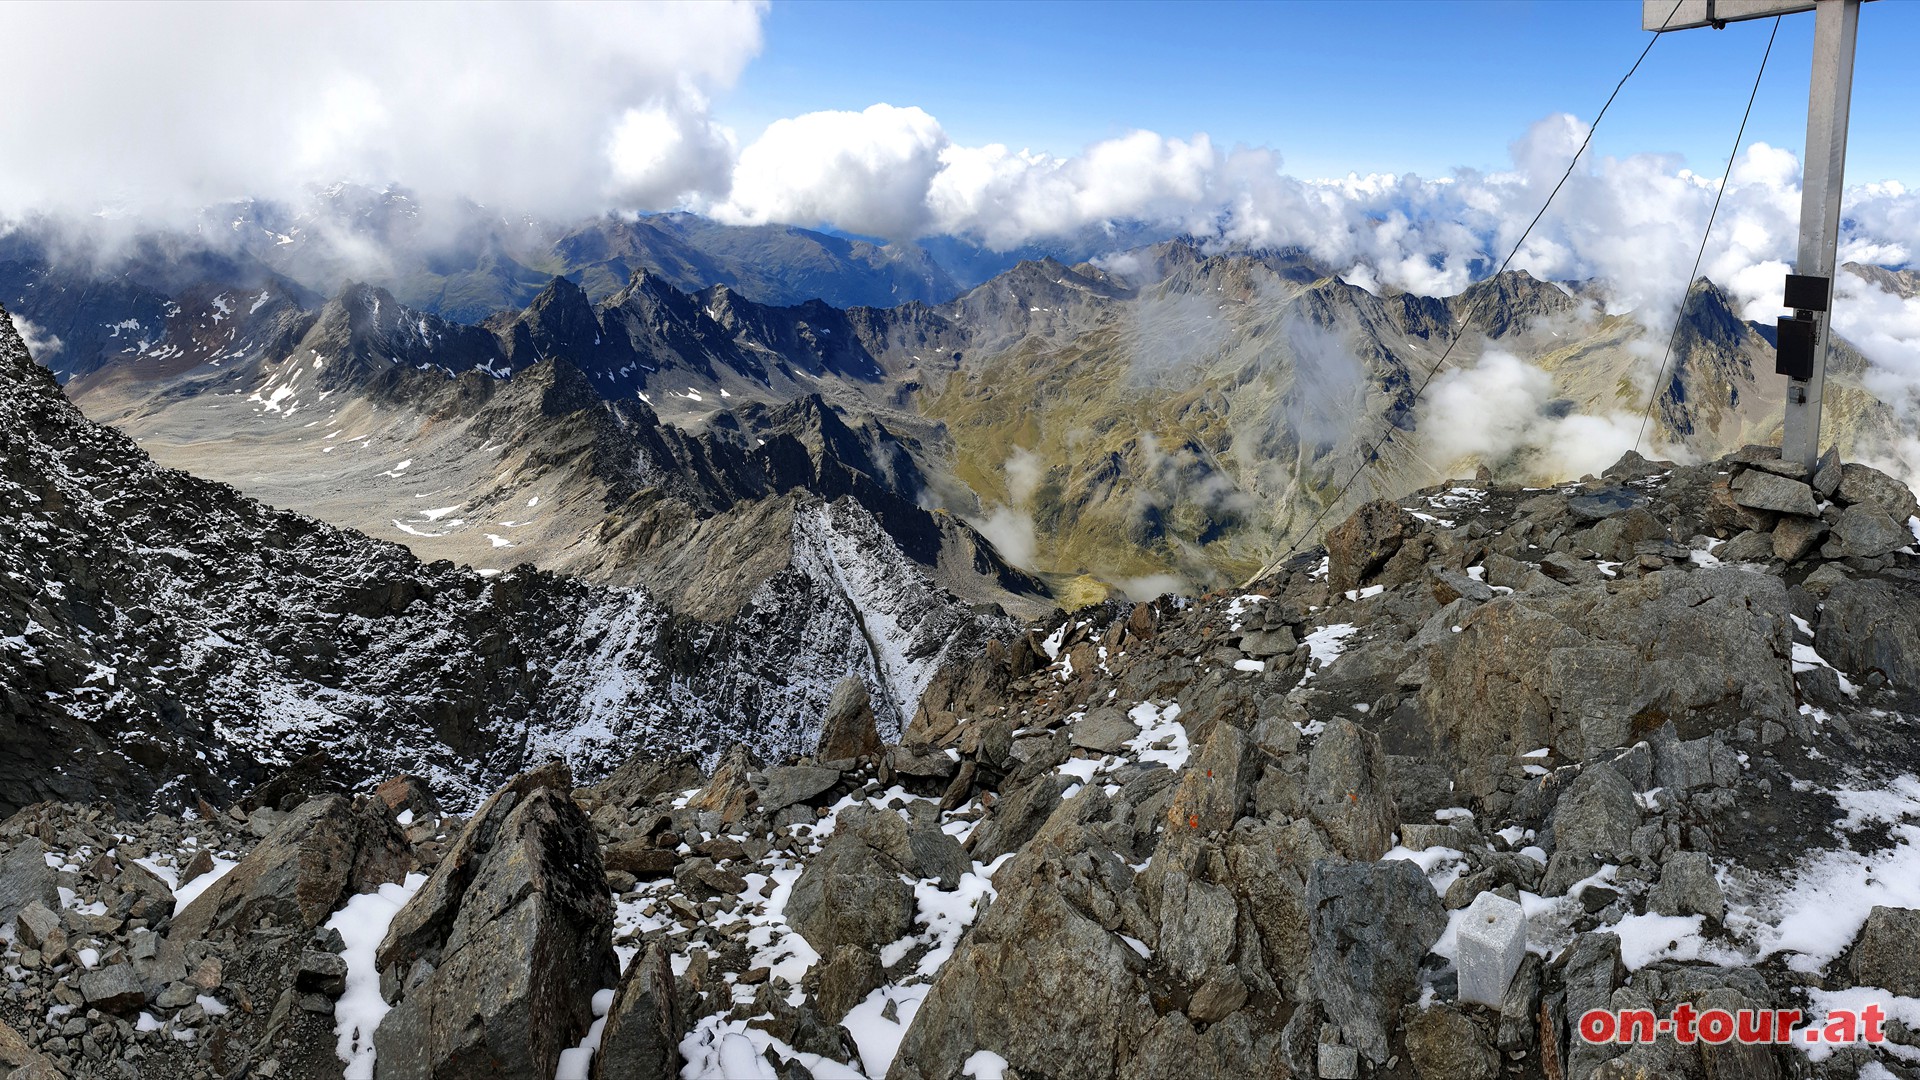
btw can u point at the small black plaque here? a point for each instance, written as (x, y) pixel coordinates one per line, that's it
(1806, 292)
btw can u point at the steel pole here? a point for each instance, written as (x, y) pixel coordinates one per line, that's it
(1837, 24)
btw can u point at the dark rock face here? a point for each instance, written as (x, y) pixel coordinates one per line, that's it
(1371, 923)
(509, 979)
(848, 731)
(642, 1038)
(851, 894)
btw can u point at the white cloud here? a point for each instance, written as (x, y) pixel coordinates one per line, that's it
(1499, 413)
(866, 172)
(543, 107)
(38, 342)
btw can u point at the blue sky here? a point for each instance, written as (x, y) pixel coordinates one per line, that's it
(1365, 85)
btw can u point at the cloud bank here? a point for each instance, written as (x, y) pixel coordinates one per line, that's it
(542, 108)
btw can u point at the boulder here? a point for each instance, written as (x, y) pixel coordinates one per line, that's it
(1796, 537)
(36, 926)
(1104, 730)
(1760, 490)
(1358, 547)
(1597, 815)
(790, 784)
(1604, 503)
(641, 1040)
(116, 988)
(25, 878)
(1887, 952)
(1371, 923)
(730, 793)
(407, 794)
(323, 852)
(1039, 942)
(846, 978)
(1347, 790)
(1447, 1045)
(1870, 625)
(1865, 531)
(20, 1061)
(646, 776)
(848, 730)
(1862, 485)
(851, 893)
(514, 936)
(1687, 886)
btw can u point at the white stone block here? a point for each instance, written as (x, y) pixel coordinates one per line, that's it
(1493, 941)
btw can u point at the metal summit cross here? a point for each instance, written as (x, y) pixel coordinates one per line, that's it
(1803, 337)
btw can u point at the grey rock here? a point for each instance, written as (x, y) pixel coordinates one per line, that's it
(851, 892)
(325, 851)
(517, 927)
(321, 973)
(116, 988)
(1568, 570)
(1520, 1010)
(1371, 924)
(1687, 887)
(1861, 485)
(848, 730)
(1796, 537)
(1693, 764)
(1337, 1062)
(1597, 814)
(36, 926)
(1760, 490)
(1887, 952)
(1347, 790)
(1872, 625)
(784, 786)
(25, 878)
(1749, 546)
(1104, 730)
(1017, 817)
(1263, 644)
(1450, 585)
(1605, 503)
(1866, 532)
(1358, 547)
(1042, 940)
(20, 1061)
(1827, 473)
(1445, 1045)
(1591, 971)
(641, 1040)
(847, 976)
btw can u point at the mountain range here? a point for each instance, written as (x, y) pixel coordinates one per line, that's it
(1165, 417)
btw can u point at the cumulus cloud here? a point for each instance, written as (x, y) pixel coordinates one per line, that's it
(1501, 412)
(545, 108)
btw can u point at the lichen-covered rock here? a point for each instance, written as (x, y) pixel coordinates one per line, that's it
(1347, 791)
(1358, 547)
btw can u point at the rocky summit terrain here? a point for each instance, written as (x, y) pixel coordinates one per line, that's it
(1656, 722)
